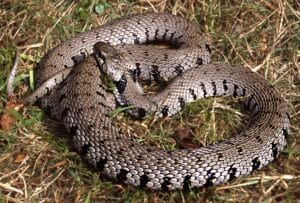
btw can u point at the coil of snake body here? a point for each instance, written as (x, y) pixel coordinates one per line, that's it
(80, 101)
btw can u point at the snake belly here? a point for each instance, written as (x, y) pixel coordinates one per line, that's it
(81, 103)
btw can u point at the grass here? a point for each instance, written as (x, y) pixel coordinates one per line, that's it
(36, 164)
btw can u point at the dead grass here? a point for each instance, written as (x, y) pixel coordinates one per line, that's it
(37, 167)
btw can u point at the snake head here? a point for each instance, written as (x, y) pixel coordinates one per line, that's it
(116, 63)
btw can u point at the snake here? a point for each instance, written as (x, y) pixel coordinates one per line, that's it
(72, 91)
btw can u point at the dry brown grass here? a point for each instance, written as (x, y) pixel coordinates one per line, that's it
(37, 167)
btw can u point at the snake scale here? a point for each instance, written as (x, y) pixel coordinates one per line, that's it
(79, 99)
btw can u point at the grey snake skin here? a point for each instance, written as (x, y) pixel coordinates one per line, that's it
(79, 99)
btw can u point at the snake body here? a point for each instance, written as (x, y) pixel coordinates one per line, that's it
(81, 103)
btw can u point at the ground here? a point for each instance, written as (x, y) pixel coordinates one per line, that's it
(36, 163)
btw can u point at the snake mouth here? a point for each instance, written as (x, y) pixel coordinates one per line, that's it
(109, 58)
(98, 51)
(100, 56)
(105, 50)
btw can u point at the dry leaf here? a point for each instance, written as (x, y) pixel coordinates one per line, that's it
(59, 164)
(183, 133)
(263, 47)
(188, 144)
(20, 157)
(263, 44)
(185, 138)
(7, 120)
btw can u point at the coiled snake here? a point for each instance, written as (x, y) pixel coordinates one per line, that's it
(81, 102)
